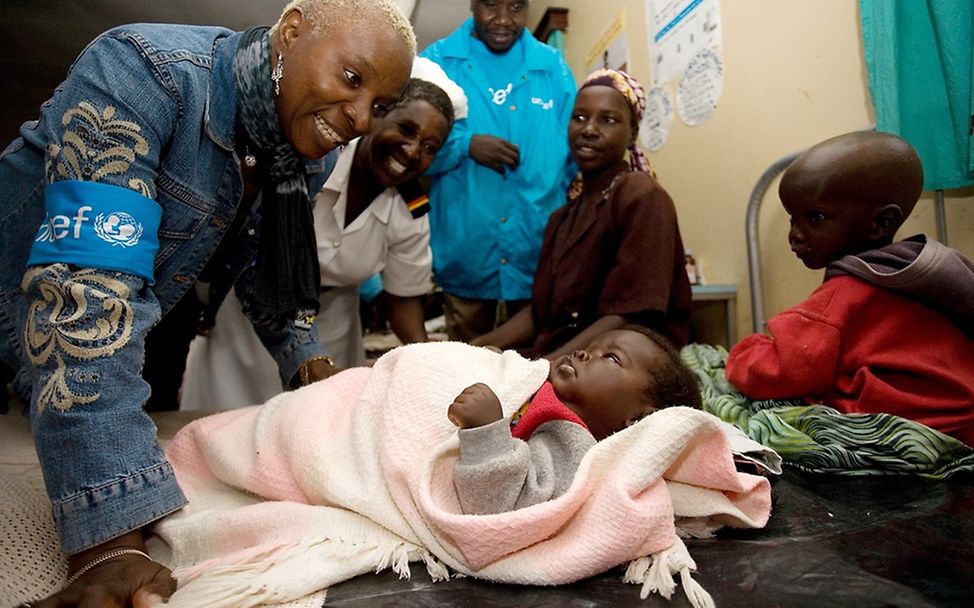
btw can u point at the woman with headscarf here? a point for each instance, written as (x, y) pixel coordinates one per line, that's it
(173, 161)
(613, 254)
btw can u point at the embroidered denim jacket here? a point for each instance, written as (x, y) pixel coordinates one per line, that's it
(149, 108)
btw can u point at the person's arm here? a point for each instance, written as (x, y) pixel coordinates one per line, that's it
(87, 316)
(301, 358)
(516, 331)
(582, 339)
(497, 472)
(408, 273)
(464, 142)
(406, 317)
(494, 152)
(121, 575)
(456, 148)
(798, 358)
(488, 150)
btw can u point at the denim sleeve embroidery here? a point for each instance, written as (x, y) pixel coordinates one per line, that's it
(80, 315)
(96, 146)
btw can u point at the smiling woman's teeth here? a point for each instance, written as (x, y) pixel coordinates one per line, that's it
(327, 131)
(396, 167)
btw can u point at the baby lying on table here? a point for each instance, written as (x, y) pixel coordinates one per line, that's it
(621, 377)
(360, 473)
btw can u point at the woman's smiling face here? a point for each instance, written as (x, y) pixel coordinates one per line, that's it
(335, 81)
(601, 128)
(404, 143)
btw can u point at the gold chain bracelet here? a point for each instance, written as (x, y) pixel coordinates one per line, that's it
(101, 559)
(304, 372)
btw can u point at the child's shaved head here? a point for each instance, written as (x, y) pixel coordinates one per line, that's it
(869, 167)
(849, 194)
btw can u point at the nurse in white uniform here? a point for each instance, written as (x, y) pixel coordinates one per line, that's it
(369, 218)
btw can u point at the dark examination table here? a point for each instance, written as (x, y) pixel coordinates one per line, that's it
(832, 541)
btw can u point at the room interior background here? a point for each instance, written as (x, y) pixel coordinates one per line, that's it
(794, 74)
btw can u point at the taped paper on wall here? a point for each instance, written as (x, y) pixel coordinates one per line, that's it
(654, 129)
(678, 30)
(700, 88)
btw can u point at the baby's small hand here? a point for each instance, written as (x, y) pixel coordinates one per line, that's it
(476, 406)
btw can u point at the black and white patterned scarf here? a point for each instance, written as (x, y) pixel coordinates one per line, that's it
(286, 277)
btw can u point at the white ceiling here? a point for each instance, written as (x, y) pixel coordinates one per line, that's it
(40, 38)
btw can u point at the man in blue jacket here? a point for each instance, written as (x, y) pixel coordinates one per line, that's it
(503, 170)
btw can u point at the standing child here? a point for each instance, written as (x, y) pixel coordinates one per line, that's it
(892, 327)
(613, 254)
(619, 378)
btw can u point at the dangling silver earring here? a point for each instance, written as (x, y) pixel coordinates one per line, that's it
(249, 159)
(278, 73)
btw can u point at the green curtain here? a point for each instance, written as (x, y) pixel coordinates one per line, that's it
(919, 59)
(557, 39)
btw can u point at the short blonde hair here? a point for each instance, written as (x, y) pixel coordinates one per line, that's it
(322, 14)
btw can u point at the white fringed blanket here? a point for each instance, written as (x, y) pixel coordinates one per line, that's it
(354, 474)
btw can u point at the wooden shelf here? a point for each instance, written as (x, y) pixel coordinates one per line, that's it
(554, 18)
(714, 316)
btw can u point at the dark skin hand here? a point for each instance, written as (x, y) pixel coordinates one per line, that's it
(517, 330)
(127, 580)
(494, 152)
(406, 318)
(319, 369)
(476, 406)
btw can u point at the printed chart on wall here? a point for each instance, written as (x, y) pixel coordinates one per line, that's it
(684, 37)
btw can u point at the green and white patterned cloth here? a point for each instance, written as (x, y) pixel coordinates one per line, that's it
(820, 439)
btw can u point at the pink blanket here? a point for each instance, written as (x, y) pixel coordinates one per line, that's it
(354, 474)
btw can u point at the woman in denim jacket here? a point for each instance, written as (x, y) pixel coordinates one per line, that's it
(173, 159)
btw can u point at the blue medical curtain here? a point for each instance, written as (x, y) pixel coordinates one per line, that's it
(919, 59)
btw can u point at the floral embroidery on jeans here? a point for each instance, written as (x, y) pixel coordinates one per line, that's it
(96, 146)
(83, 315)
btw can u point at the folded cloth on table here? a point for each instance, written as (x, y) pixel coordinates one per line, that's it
(358, 473)
(818, 438)
(746, 450)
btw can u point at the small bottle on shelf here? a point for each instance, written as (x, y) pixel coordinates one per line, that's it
(691, 267)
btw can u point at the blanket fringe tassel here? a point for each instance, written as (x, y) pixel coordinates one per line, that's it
(396, 557)
(655, 574)
(285, 573)
(437, 569)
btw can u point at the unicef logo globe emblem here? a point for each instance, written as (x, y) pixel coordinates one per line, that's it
(118, 228)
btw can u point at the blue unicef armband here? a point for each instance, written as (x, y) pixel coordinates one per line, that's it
(98, 226)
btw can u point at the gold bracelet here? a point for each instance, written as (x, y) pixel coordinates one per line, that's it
(101, 559)
(304, 372)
